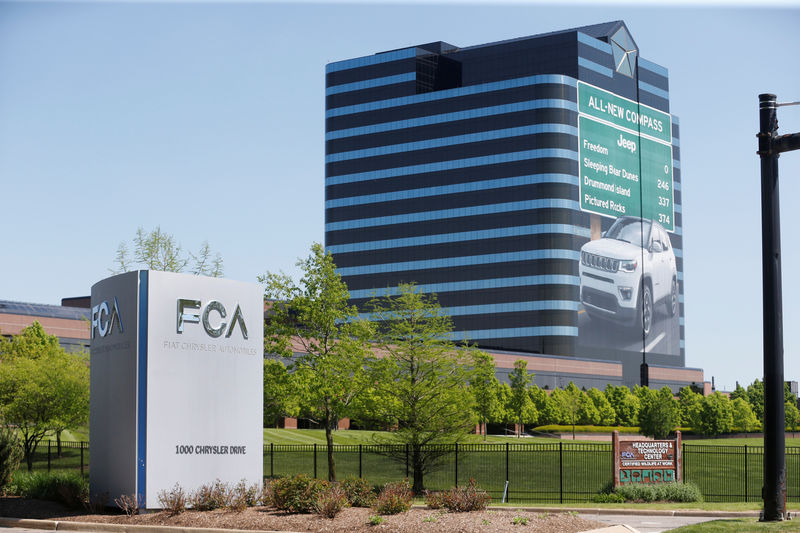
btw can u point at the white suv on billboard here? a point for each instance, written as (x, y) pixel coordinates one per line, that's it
(628, 271)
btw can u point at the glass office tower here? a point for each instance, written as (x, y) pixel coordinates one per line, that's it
(490, 175)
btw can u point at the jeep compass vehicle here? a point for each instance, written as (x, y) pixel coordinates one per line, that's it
(627, 272)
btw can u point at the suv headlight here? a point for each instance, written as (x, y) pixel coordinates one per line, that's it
(628, 266)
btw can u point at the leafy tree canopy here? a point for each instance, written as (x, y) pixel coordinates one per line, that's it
(159, 250)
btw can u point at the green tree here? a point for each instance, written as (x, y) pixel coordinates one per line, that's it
(743, 416)
(571, 403)
(280, 393)
(791, 416)
(43, 389)
(540, 400)
(625, 404)
(422, 378)
(659, 413)
(520, 402)
(485, 388)
(716, 415)
(33, 342)
(740, 392)
(158, 250)
(755, 394)
(329, 373)
(691, 404)
(607, 415)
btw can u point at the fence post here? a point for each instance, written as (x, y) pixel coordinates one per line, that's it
(359, 461)
(48, 455)
(508, 496)
(406, 460)
(272, 459)
(683, 462)
(745, 473)
(456, 485)
(560, 472)
(82, 446)
(315, 461)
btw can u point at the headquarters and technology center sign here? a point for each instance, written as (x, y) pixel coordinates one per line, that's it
(176, 383)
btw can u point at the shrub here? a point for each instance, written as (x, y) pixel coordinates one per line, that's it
(434, 499)
(465, 499)
(673, 492)
(329, 502)
(10, 456)
(375, 520)
(130, 504)
(266, 497)
(297, 494)
(608, 497)
(209, 497)
(174, 500)
(241, 496)
(359, 492)
(67, 487)
(394, 498)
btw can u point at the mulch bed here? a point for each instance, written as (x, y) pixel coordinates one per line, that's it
(349, 520)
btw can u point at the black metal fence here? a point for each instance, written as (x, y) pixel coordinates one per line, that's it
(557, 472)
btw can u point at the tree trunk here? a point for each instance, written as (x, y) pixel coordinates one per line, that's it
(58, 443)
(329, 440)
(416, 463)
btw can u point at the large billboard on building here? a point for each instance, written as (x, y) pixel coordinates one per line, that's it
(628, 270)
(176, 383)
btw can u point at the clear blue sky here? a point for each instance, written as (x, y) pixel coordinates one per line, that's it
(208, 119)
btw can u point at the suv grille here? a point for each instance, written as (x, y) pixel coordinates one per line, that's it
(600, 262)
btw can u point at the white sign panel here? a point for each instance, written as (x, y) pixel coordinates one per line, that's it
(199, 382)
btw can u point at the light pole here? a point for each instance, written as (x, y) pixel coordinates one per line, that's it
(770, 146)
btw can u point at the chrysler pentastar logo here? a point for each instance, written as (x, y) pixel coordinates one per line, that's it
(189, 313)
(105, 317)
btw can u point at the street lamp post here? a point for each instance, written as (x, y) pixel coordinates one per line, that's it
(770, 145)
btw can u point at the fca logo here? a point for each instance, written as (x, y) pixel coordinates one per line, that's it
(104, 318)
(189, 312)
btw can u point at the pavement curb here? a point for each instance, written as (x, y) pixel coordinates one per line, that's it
(57, 525)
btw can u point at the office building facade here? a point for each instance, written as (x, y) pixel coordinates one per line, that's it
(482, 173)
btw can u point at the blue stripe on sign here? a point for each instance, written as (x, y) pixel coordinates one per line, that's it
(676, 164)
(426, 240)
(366, 61)
(368, 84)
(522, 281)
(594, 43)
(449, 262)
(493, 159)
(473, 210)
(451, 141)
(652, 89)
(141, 391)
(453, 116)
(515, 181)
(591, 65)
(452, 93)
(541, 331)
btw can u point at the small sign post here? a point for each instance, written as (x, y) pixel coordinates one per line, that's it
(637, 460)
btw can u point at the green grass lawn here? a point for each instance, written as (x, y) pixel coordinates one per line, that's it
(738, 525)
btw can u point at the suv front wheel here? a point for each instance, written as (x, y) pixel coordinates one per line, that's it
(646, 309)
